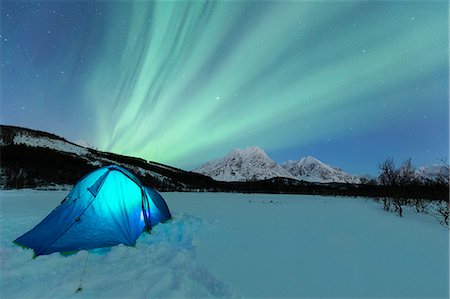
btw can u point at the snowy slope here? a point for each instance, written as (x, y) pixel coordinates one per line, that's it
(237, 245)
(91, 156)
(248, 164)
(311, 169)
(253, 163)
(43, 141)
(48, 160)
(432, 173)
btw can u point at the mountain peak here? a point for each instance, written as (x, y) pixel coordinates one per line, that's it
(312, 169)
(251, 163)
(248, 152)
(309, 160)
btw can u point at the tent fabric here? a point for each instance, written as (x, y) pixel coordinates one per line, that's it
(108, 206)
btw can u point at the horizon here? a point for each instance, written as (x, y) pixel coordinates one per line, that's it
(346, 82)
(439, 161)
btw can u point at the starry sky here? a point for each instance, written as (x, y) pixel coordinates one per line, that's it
(181, 83)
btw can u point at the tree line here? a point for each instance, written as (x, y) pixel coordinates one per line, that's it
(406, 176)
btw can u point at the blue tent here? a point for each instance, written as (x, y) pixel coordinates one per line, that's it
(108, 206)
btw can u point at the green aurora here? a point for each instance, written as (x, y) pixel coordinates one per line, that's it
(185, 82)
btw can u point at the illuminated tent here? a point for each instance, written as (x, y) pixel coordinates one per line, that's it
(108, 206)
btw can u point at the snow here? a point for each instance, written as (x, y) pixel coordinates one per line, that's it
(248, 164)
(145, 172)
(100, 161)
(160, 265)
(253, 163)
(163, 166)
(242, 245)
(311, 169)
(63, 146)
(56, 187)
(432, 172)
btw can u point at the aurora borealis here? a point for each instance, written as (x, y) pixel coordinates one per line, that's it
(350, 82)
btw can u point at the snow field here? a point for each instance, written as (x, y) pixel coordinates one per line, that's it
(161, 265)
(244, 245)
(315, 246)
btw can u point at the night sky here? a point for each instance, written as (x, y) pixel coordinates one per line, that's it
(350, 83)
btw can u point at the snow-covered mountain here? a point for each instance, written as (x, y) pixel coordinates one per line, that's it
(248, 164)
(253, 163)
(432, 173)
(311, 169)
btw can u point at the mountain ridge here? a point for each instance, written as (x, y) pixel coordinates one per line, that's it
(252, 163)
(312, 169)
(32, 158)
